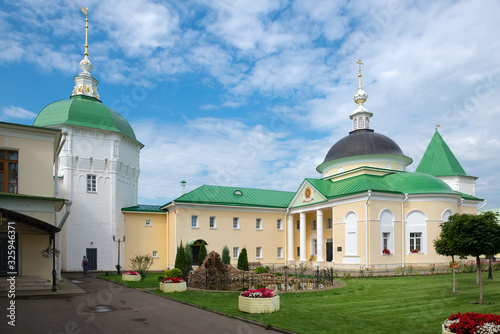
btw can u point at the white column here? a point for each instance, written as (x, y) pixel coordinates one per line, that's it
(319, 226)
(303, 256)
(291, 252)
(333, 234)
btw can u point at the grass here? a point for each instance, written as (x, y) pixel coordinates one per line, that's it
(151, 281)
(412, 304)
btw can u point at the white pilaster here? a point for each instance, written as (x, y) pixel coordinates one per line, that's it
(291, 253)
(319, 222)
(333, 234)
(303, 256)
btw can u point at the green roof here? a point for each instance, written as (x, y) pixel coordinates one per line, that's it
(143, 208)
(237, 196)
(439, 160)
(84, 111)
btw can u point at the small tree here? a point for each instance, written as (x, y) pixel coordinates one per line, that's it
(142, 263)
(444, 245)
(243, 260)
(226, 258)
(476, 235)
(180, 258)
(189, 257)
(203, 254)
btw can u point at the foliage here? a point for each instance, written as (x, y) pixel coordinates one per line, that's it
(226, 258)
(175, 272)
(189, 257)
(243, 260)
(160, 277)
(203, 254)
(470, 323)
(143, 274)
(261, 270)
(180, 258)
(142, 262)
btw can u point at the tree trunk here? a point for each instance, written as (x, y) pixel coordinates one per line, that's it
(480, 280)
(453, 270)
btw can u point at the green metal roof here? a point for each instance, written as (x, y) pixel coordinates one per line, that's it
(219, 195)
(439, 160)
(143, 208)
(84, 111)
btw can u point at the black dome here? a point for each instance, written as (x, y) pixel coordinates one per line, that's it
(362, 142)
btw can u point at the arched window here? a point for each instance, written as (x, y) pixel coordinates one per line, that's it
(361, 123)
(446, 215)
(387, 232)
(351, 235)
(367, 122)
(416, 228)
(355, 124)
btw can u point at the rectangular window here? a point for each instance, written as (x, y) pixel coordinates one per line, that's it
(148, 222)
(258, 252)
(280, 252)
(279, 224)
(298, 224)
(8, 171)
(155, 254)
(236, 252)
(415, 240)
(314, 225)
(329, 224)
(212, 222)
(385, 240)
(194, 221)
(315, 247)
(298, 251)
(258, 224)
(236, 223)
(91, 183)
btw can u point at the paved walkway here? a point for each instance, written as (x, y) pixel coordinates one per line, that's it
(107, 307)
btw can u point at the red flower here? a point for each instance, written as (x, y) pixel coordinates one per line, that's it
(470, 323)
(386, 252)
(172, 280)
(259, 293)
(131, 273)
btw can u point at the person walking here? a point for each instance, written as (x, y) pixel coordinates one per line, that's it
(85, 265)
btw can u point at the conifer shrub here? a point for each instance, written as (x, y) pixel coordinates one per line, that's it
(243, 260)
(202, 255)
(226, 258)
(189, 257)
(180, 258)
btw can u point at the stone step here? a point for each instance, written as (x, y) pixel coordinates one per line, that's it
(25, 283)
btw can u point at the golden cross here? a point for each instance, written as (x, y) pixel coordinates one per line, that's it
(437, 126)
(359, 75)
(85, 11)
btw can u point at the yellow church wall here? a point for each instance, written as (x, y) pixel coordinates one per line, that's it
(32, 263)
(143, 240)
(247, 236)
(376, 164)
(33, 152)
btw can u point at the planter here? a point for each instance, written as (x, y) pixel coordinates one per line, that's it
(133, 278)
(445, 331)
(259, 305)
(172, 287)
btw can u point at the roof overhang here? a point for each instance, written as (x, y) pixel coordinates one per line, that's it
(24, 223)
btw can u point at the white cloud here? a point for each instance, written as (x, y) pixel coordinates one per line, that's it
(13, 112)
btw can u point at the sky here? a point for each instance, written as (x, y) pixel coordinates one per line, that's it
(254, 93)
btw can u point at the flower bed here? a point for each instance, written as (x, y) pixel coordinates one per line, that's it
(172, 284)
(131, 276)
(472, 323)
(386, 252)
(259, 301)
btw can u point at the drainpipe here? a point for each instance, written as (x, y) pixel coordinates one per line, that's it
(403, 231)
(285, 223)
(175, 227)
(167, 243)
(66, 214)
(366, 227)
(482, 206)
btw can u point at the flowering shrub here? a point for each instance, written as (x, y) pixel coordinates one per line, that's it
(131, 273)
(386, 252)
(172, 280)
(473, 323)
(259, 293)
(414, 250)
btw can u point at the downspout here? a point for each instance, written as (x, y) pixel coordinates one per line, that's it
(366, 227)
(175, 227)
(285, 223)
(403, 231)
(66, 214)
(167, 243)
(482, 206)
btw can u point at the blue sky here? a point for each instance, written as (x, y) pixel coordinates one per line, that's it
(254, 93)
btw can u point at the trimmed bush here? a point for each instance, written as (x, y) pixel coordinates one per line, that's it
(261, 270)
(243, 260)
(203, 254)
(226, 258)
(180, 258)
(173, 273)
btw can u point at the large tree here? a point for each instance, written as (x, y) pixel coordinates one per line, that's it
(475, 235)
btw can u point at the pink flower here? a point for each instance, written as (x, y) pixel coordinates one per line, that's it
(259, 293)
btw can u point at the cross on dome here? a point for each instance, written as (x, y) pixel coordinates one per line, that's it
(85, 83)
(360, 116)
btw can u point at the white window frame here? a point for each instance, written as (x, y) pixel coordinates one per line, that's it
(416, 222)
(155, 254)
(194, 221)
(314, 250)
(279, 224)
(236, 252)
(258, 224)
(236, 223)
(258, 252)
(314, 225)
(416, 238)
(386, 226)
(329, 223)
(280, 252)
(212, 222)
(91, 183)
(386, 239)
(148, 223)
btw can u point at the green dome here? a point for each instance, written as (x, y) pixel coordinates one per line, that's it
(418, 183)
(84, 111)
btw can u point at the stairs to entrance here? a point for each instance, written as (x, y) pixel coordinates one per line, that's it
(25, 283)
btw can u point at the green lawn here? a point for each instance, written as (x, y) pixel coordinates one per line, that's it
(410, 304)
